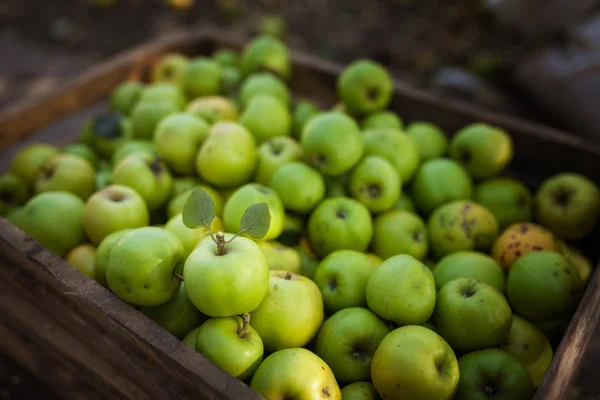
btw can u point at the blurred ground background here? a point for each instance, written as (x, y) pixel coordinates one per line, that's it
(447, 46)
(455, 48)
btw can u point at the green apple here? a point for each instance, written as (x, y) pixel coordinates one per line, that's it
(290, 314)
(264, 83)
(568, 204)
(471, 315)
(340, 223)
(414, 363)
(382, 119)
(274, 153)
(396, 147)
(336, 186)
(440, 181)
(375, 259)
(375, 183)
(14, 192)
(230, 284)
(266, 53)
(176, 204)
(309, 262)
(272, 25)
(83, 257)
(508, 199)
(177, 316)
(177, 140)
(170, 68)
(28, 161)
(102, 253)
(405, 203)
(202, 77)
(266, 117)
(469, 264)
(365, 86)
(429, 138)
(189, 237)
(359, 391)
(146, 116)
(543, 285)
(213, 109)
(184, 183)
(347, 341)
(484, 150)
(295, 373)
(54, 219)
(112, 209)
(164, 92)
(126, 96)
(145, 278)
(107, 131)
(13, 213)
(226, 57)
(231, 344)
(280, 257)
(82, 150)
(461, 225)
(231, 78)
(399, 232)
(402, 290)
(492, 373)
(303, 111)
(86, 134)
(132, 146)
(69, 173)
(528, 344)
(228, 156)
(299, 187)
(293, 229)
(190, 339)
(226, 193)
(579, 261)
(342, 278)
(244, 197)
(148, 175)
(332, 143)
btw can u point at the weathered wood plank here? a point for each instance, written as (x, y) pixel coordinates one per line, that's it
(568, 356)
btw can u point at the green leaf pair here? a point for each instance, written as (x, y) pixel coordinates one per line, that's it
(199, 210)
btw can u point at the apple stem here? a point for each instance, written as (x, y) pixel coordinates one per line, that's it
(178, 276)
(220, 243)
(246, 319)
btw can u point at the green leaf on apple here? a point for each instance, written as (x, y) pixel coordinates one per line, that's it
(256, 220)
(198, 210)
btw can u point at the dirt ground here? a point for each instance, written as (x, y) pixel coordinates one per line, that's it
(43, 43)
(419, 41)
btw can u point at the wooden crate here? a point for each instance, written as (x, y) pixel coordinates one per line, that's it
(86, 343)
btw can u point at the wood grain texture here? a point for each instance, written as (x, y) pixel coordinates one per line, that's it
(84, 342)
(55, 319)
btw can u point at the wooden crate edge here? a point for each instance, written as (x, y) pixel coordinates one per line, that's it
(161, 352)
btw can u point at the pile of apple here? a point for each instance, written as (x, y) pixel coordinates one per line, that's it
(314, 253)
